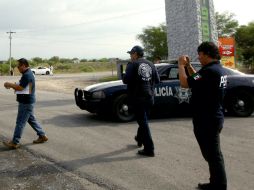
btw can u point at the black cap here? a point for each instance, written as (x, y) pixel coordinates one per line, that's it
(137, 49)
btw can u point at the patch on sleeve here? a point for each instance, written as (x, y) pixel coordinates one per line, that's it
(196, 76)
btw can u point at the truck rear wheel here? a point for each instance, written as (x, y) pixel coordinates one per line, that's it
(241, 104)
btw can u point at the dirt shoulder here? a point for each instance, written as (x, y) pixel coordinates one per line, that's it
(62, 85)
(67, 83)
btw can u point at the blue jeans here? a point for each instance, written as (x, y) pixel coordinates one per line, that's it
(26, 114)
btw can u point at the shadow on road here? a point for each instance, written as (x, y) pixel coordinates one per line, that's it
(114, 156)
(71, 165)
(81, 120)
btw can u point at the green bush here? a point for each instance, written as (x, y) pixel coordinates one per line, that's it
(110, 78)
(62, 67)
(85, 68)
(4, 69)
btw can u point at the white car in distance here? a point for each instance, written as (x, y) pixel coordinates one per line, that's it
(41, 71)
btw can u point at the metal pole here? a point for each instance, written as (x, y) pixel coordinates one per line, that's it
(10, 37)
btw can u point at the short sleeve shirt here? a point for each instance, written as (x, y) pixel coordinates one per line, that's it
(208, 90)
(27, 79)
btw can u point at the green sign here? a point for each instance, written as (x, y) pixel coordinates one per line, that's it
(205, 24)
(204, 13)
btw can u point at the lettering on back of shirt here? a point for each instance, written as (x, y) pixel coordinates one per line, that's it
(223, 81)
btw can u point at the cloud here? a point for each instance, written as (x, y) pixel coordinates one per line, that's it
(75, 28)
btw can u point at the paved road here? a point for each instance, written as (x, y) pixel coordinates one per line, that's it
(104, 152)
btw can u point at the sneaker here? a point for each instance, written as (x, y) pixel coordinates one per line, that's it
(139, 144)
(11, 144)
(146, 153)
(41, 139)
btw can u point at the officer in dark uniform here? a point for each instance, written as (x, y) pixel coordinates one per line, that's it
(140, 77)
(208, 89)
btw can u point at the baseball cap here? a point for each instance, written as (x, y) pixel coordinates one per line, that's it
(137, 49)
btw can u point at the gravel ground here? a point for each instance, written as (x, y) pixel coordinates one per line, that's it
(23, 169)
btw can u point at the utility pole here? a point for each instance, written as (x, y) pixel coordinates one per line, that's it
(10, 37)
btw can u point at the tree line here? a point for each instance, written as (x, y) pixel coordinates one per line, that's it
(61, 65)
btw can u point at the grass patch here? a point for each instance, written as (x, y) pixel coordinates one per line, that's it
(83, 67)
(107, 79)
(67, 67)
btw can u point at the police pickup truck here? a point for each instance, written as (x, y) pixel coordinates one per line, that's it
(110, 98)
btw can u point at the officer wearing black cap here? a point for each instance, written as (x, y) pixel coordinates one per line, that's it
(141, 77)
(208, 89)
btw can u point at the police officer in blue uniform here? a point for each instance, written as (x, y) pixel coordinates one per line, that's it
(208, 89)
(141, 77)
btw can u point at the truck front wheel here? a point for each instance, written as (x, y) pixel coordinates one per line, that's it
(121, 110)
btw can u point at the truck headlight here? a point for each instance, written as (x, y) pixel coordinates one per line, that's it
(98, 95)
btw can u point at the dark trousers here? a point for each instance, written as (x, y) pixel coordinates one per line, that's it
(141, 110)
(208, 137)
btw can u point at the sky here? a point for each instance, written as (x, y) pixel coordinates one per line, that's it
(87, 29)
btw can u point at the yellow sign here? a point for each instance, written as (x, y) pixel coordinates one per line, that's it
(228, 61)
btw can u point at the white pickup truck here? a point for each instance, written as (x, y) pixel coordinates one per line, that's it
(41, 71)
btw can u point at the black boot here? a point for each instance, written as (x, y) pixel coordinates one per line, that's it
(146, 153)
(139, 143)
